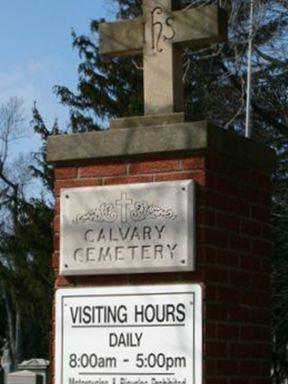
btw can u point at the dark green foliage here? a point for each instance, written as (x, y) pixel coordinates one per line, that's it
(2, 323)
(41, 169)
(27, 278)
(106, 88)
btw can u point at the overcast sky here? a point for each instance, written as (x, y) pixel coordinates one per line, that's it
(36, 51)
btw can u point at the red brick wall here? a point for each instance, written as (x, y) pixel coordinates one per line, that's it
(233, 249)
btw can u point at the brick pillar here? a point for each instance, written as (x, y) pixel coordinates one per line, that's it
(233, 244)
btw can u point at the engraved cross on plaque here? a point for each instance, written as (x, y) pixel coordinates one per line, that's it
(159, 35)
(124, 203)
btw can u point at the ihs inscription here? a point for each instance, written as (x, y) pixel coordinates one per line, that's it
(160, 32)
(160, 35)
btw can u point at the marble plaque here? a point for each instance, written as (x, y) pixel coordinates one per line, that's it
(135, 228)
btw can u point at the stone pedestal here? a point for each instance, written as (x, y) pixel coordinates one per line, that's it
(24, 377)
(233, 244)
(38, 366)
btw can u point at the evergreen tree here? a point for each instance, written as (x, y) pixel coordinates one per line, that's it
(26, 246)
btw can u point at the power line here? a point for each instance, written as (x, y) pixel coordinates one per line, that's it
(248, 130)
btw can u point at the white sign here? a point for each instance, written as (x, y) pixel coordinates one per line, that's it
(121, 335)
(127, 229)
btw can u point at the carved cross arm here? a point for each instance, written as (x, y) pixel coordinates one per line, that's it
(200, 26)
(197, 26)
(122, 38)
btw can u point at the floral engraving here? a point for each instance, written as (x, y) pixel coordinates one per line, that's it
(105, 213)
(143, 210)
(124, 209)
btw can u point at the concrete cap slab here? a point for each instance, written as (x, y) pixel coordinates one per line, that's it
(178, 137)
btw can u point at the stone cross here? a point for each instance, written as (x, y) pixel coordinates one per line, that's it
(124, 203)
(159, 35)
